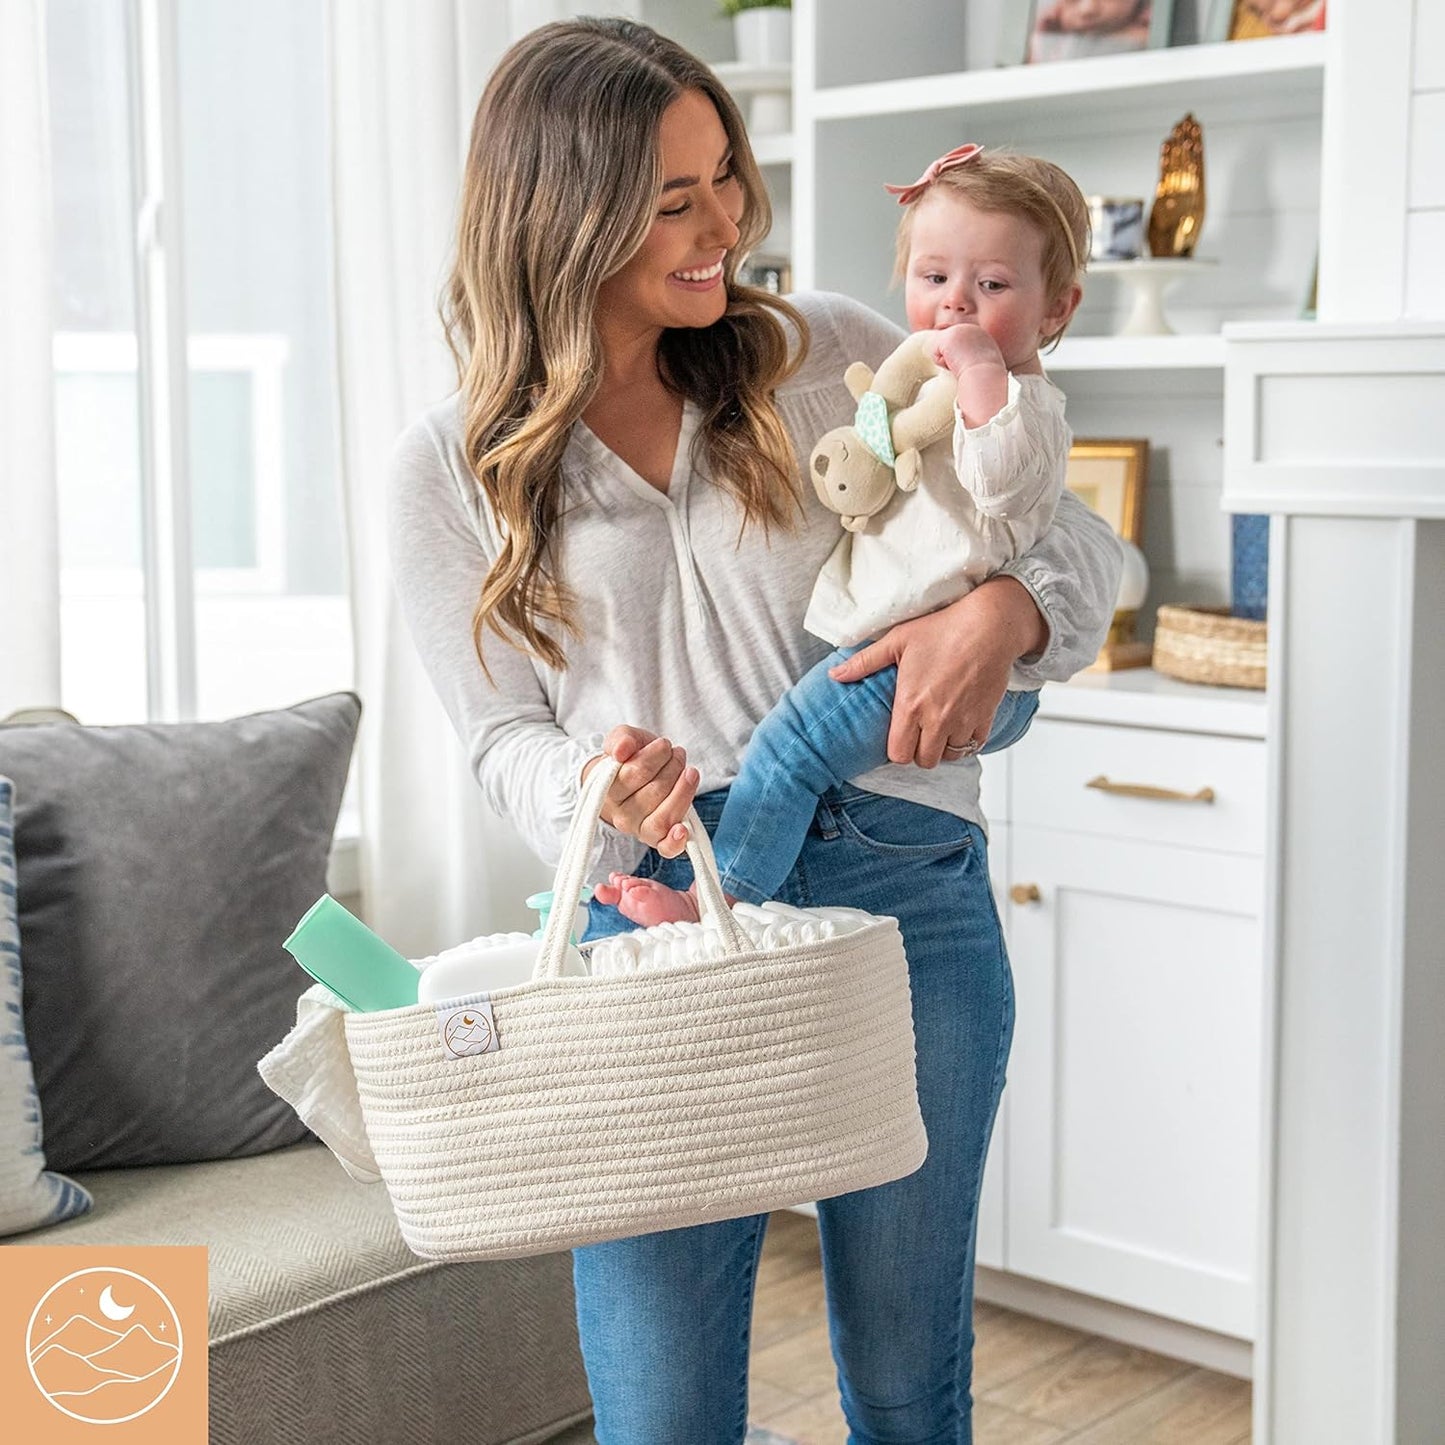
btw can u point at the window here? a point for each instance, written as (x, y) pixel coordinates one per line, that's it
(254, 613)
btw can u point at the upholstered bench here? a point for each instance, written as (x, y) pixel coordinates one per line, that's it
(325, 1327)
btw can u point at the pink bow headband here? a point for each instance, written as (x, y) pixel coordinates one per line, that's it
(958, 156)
(961, 156)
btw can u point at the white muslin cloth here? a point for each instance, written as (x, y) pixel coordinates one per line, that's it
(311, 1069)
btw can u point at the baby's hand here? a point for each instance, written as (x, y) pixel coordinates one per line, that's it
(966, 345)
(977, 365)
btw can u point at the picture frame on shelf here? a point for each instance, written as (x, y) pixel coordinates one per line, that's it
(1108, 475)
(1259, 19)
(1033, 32)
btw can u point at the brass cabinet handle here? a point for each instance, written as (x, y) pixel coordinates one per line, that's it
(1025, 893)
(1144, 790)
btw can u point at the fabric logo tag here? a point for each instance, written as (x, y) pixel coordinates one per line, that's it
(468, 1028)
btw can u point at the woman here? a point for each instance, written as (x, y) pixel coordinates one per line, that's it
(605, 526)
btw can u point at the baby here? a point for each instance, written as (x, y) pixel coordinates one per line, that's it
(991, 247)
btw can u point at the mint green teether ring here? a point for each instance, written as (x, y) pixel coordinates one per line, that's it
(542, 902)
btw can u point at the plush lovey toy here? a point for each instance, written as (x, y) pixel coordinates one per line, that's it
(906, 407)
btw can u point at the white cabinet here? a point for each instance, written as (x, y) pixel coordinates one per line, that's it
(1133, 1123)
(1128, 864)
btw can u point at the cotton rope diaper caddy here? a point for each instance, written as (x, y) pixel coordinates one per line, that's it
(616, 1105)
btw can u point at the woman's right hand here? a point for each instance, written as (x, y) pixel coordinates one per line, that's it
(652, 791)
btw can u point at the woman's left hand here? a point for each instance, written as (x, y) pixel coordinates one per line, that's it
(953, 669)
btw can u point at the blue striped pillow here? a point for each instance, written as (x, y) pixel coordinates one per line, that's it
(30, 1195)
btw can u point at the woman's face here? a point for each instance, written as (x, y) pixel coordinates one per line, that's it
(676, 278)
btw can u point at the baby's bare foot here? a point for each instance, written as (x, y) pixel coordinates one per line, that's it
(610, 893)
(648, 903)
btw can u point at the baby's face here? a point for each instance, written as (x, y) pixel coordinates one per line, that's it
(1094, 14)
(981, 268)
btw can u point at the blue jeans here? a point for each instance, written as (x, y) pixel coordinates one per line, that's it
(818, 736)
(664, 1318)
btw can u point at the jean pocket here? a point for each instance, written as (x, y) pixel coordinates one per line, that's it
(898, 828)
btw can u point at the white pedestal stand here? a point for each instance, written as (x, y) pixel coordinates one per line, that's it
(1352, 1285)
(1148, 278)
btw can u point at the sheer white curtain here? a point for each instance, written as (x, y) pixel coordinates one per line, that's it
(29, 528)
(437, 866)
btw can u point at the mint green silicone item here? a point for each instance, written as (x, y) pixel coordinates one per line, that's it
(542, 902)
(337, 949)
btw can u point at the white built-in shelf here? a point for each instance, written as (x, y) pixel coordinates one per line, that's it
(743, 79)
(1201, 76)
(1141, 697)
(762, 90)
(773, 149)
(1138, 353)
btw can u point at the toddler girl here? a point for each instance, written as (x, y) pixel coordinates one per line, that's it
(991, 248)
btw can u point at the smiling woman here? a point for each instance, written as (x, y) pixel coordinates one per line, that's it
(605, 529)
(673, 280)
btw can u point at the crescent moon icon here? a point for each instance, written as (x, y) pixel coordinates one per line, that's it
(110, 1309)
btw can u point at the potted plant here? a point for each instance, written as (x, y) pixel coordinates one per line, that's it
(762, 30)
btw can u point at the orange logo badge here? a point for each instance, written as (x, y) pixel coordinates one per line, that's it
(113, 1338)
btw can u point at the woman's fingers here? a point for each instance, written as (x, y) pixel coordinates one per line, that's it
(868, 660)
(642, 785)
(663, 829)
(652, 791)
(626, 742)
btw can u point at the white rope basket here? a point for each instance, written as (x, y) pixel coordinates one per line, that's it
(624, 1104)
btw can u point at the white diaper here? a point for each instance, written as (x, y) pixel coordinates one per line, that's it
(769, 925)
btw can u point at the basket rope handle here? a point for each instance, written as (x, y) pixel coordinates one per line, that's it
(572, 873)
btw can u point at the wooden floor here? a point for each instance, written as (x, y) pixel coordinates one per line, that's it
(1034, 1383)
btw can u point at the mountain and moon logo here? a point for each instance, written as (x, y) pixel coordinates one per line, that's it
(469, 1030)
(104, 1345)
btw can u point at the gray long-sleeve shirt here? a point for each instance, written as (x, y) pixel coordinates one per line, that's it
(690, 630)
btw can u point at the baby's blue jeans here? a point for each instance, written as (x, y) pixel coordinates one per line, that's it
(820, 735)
(664, 1319)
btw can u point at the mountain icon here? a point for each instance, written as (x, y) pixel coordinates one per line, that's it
(80, 1334)
(138, 1354)
(59, 1372)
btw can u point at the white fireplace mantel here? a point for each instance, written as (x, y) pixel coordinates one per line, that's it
(1338, 431)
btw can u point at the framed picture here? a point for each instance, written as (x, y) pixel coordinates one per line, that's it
(1036, 31)
(1108, 476)
(1255, 19)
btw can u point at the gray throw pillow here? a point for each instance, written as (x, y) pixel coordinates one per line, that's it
(30, 1195)
(160, 868)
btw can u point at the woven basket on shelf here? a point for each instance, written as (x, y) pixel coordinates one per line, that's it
(1206, 644)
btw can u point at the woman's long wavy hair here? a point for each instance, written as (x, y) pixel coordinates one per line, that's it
(561, 187)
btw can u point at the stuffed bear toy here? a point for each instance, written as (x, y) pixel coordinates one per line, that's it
(906, 407)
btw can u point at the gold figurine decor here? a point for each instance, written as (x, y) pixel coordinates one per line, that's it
(1178, 213)
(1175, 220)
